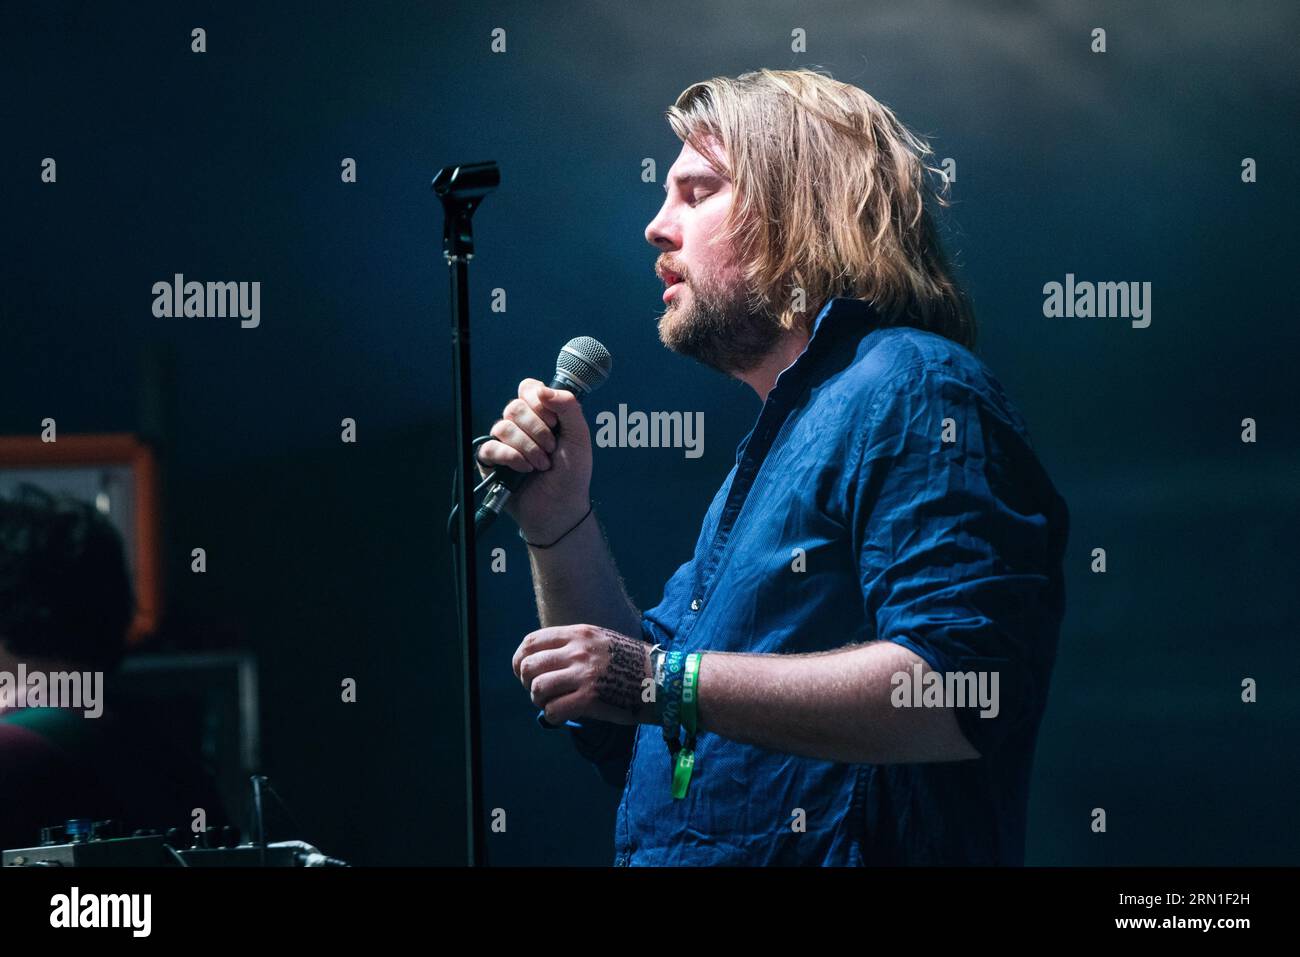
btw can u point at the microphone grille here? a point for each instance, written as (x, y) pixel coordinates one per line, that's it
(584, 360)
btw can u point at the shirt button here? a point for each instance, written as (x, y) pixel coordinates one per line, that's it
(695, 604)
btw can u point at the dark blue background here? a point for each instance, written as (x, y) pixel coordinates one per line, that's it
(329, 560)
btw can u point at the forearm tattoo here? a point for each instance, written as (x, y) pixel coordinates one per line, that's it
(620, 684)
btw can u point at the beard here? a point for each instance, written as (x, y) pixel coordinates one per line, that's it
(719, 329)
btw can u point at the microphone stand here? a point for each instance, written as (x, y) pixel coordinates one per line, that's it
(461, 189)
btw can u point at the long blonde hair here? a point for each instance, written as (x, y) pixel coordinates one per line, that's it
(829, 197)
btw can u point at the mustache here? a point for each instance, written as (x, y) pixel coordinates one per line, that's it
(665, 266)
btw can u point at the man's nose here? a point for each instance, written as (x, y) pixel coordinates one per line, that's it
(662, 232)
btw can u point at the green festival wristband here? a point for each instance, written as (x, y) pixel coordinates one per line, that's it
(691, 695)
(684, 766)
(682, 772)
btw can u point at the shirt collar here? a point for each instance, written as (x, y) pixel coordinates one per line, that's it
(841, 309)
(839, 315)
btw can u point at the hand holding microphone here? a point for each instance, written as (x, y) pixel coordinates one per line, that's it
(540, 452)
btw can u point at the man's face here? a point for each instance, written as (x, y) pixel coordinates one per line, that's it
(706, 315)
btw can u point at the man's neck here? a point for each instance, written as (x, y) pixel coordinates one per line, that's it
(762, 377)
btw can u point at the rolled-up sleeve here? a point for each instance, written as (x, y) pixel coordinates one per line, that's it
(958, 536)
(605, 744)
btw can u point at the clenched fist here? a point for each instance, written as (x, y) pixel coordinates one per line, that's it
(582, 671)
(542, 430)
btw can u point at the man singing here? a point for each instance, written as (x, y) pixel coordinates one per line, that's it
(853, 666)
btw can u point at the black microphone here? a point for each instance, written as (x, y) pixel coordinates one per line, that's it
(581, 367)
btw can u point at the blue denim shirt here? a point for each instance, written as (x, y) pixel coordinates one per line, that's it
(892, 458)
